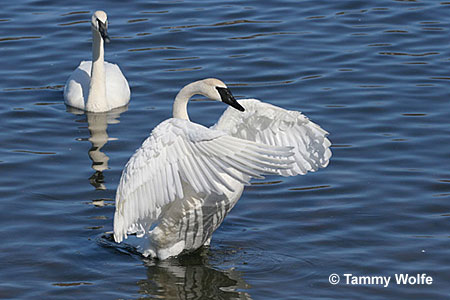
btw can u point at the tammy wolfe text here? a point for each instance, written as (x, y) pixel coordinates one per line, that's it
(399, 279)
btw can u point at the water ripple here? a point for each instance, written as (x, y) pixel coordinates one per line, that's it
(155, 48)
(310, 188)
(76, 13)
(70, 284)
(220, 24)
(74, 23)
(373, 74)
(19, 38)
(138, 20)
(409, 54)
(262, 34)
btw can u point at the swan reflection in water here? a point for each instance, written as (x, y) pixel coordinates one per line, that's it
(192, 277)
(203, 274)
(98, 136)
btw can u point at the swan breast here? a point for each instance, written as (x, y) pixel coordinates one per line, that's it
(76, 90)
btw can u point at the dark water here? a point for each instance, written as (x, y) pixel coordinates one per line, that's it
(375, 74)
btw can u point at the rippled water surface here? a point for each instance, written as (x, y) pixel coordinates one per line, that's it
(375, 74)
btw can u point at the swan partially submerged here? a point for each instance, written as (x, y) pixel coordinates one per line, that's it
(176, 190)
(97, 85)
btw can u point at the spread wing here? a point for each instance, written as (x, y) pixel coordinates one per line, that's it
(272, 125)
(179, 152)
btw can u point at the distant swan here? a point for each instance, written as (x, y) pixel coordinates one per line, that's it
(98, 86)
(178, 187)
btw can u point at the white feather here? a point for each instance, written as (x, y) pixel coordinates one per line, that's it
(197, 165)
(181, 183)
(272, 125)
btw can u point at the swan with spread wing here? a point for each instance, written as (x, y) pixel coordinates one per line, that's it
(177, 188)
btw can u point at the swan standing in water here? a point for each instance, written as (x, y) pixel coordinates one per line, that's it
(97, 86)
(178, 187)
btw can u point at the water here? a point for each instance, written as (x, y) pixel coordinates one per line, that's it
(375, 74)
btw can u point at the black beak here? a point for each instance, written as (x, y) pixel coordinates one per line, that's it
(103, 31)
(228, 98)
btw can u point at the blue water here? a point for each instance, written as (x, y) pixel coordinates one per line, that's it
(375, 74)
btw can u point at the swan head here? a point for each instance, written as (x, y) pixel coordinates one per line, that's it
(216, 90)
(99, 23)
(211, 88)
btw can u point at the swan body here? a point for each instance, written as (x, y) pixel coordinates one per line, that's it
(177, 188)
(97, 86)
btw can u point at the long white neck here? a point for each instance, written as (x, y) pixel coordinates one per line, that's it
(97, 88)
(182, 98)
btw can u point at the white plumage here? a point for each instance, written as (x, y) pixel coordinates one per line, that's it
(271, 125)
(178, 187)
(97, 86)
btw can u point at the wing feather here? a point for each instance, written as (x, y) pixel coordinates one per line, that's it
(271, 125)
(179, 153)
(230, 172)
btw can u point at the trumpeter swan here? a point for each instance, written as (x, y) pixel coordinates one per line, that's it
(96, 85)
(178, 187)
